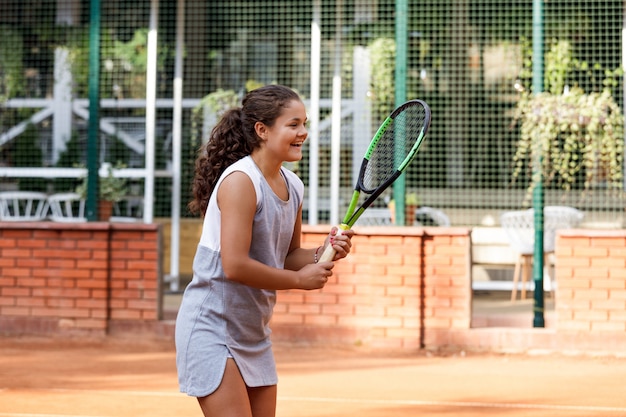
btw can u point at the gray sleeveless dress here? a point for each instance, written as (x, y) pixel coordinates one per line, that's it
(219, 318)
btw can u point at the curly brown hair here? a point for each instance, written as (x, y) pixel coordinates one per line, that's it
(234, 137)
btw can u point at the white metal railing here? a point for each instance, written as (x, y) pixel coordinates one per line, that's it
(62, 106)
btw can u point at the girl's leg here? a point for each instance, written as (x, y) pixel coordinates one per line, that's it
(231, 397)
(263, 401)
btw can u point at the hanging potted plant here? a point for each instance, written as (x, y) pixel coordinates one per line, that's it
(572, 138)
(111, 190)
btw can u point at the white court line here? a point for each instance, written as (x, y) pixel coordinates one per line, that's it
(470, 404)
(43, 415)
(102, 392)
(120, 392)
(476, 404)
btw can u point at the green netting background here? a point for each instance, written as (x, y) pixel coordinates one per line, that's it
(470, 60)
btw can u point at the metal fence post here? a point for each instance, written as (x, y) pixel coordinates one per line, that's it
(538, 194)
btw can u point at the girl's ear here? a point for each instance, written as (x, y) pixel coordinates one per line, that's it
(261, 130)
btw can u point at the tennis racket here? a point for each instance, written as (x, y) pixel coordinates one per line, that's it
(393, 147)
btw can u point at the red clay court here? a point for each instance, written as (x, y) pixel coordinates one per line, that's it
(50, 377)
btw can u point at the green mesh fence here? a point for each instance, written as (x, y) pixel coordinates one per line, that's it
(470, 60)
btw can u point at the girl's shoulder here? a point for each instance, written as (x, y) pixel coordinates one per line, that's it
(248, 167)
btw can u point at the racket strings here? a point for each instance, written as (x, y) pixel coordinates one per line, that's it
(393, 146)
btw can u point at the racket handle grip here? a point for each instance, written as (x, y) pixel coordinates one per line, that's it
(329, 253)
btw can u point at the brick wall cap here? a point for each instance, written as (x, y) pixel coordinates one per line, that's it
(78, 226)
(135, 226)
(394, 230)
(620, 233)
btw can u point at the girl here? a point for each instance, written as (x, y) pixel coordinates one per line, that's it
(249, 248)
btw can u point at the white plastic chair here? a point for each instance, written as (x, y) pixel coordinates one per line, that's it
(520, 231)
(438, 217)
(555, 218)
(375, 217)
(23, 206)
(67, 208)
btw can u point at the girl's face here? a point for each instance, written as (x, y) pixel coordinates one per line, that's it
(285, 138)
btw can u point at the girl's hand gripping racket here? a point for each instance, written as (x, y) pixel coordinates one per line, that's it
(393, 147)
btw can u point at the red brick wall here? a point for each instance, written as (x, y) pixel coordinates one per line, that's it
(396, 286)
(399, 288)
(410, 287)
(591, 281)
(77, 278)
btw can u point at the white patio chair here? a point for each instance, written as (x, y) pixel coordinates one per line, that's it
(23, 206)
(558, 217)
(425, 215)
(67, 208)
(520, 231)
(375, 217)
